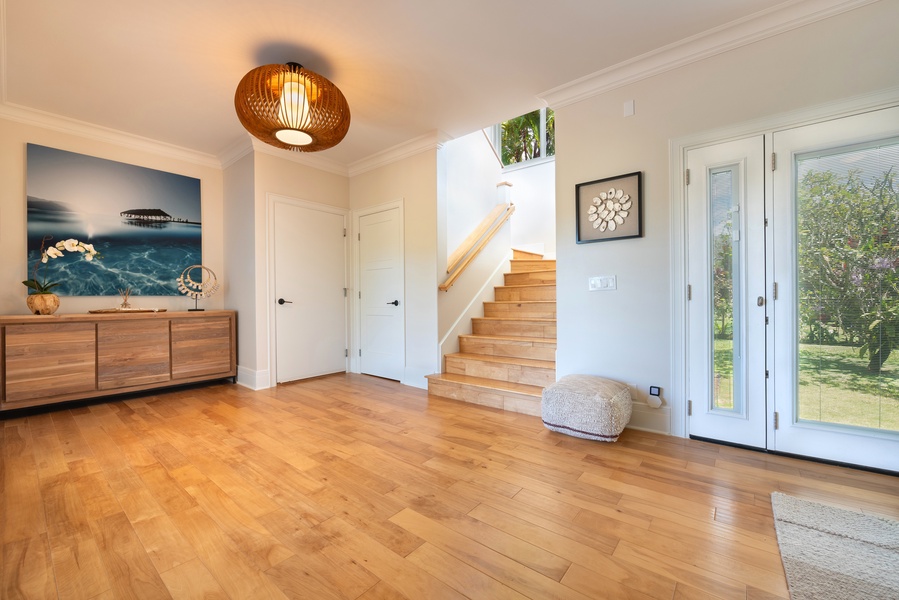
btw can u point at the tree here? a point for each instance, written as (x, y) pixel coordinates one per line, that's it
(848, 254)
(521, 137)
(723, 283)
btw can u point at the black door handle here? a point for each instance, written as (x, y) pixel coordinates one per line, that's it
(395, 303)
(283, 301)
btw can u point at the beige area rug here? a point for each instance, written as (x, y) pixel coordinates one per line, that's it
(829, 552)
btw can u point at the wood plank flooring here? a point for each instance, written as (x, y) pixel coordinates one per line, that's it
(350, 487)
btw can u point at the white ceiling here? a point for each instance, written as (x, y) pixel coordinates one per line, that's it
(167, 69)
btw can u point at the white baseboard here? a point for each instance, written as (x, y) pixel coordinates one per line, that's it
(647, 418)
(255, 380)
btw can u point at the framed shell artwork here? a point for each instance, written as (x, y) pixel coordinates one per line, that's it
(610, 208)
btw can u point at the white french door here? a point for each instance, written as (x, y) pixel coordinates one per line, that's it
(725, 216)
(793, 251)
(835, 241)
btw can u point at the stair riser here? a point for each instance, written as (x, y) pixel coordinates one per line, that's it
(530, 277)
(525, 255)
(509, 401)
(545, 310)
(532, 265)
(501, 372)
(518, 294)
(513, 328)
(510, 349)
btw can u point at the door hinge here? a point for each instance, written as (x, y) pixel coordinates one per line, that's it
(689, 292)
(766, 320)
(766, 221)
(766, 373)
(344, 292)
(687, 177)
(776, 420)
(344, 232)
(689, 408)
(360, 351)
(775, 290)
(346, 353)
(773, 161)
(359, 236)
(360, 294)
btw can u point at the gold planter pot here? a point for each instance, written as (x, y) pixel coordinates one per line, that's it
(42, 304)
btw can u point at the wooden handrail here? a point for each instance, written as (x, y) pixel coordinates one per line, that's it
(473, 237)
(492, 147)
(475, 242)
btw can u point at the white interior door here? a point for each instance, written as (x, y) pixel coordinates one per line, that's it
(835, 343)
(726, 274)
(310, 287)
(382, 322)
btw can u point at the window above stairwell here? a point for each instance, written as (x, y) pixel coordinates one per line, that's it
(526, 140)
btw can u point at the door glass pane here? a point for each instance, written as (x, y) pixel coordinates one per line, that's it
(848, 252)
(726, 289)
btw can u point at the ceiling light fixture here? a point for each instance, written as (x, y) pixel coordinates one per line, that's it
(292, 108)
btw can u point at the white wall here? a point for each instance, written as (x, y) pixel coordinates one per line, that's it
(414, 181)
(239, 213)
(259, 174)
(626, 334)
(15, 135)
(534, 196)
(472, 173)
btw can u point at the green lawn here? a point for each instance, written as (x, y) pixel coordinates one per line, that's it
(835, 386)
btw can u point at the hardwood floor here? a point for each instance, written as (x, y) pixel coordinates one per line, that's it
(354, 487)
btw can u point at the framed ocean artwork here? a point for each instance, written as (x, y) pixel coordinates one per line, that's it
(144, 223)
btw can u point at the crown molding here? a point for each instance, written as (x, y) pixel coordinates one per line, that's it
(430, 141)
(310, 160)
(45, 120)
(235, 151)
(742, 32)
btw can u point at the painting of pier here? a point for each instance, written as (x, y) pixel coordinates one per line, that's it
(145, 223)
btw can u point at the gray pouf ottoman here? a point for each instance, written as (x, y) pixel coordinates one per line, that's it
(587, 406)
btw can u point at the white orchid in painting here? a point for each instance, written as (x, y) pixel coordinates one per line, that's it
(56, 251)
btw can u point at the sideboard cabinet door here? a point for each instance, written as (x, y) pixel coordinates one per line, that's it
(202, 346)
(48, 360)
(132, 353)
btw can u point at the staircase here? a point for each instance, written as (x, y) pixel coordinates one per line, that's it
(510, 356)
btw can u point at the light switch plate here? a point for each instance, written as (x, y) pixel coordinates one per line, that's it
(603, 283)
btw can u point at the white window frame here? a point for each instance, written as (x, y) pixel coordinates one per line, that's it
(497, 139)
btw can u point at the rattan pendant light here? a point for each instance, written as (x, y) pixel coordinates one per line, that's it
(292, 108)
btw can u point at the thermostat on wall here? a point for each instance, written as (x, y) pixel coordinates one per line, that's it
(654, 399)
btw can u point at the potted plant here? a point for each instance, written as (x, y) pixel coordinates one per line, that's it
(41, 300)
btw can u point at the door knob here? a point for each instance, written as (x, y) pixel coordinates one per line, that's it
(283, 301)
(760, 301)
(395, 303)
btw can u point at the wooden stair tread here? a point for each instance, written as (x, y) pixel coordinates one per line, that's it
(509, 338)
(489, 384)
(520, 302)
(524, 265)
(524, 362)
(528, 285)
(528, 319)
(548, 270)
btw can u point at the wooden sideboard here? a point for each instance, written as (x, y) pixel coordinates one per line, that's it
(57, 358)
